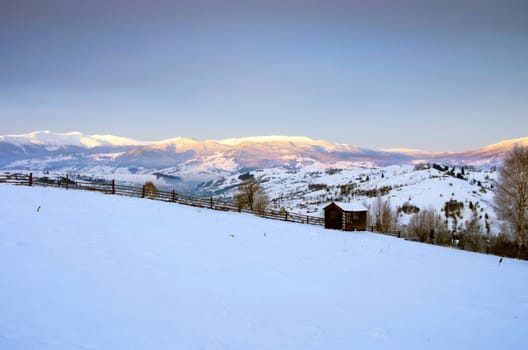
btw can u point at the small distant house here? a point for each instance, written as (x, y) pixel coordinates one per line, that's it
(345, 216)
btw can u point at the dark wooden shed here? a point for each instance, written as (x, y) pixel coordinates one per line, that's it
(345, 216)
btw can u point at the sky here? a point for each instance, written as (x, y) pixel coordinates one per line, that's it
(433, 75)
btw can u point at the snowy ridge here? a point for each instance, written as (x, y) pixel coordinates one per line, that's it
(266, 139)
(193, 159)
(73, 138)
(268, 147)
(414, 152)
(522, 141)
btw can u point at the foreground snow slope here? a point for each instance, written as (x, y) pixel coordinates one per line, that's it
(89, 271)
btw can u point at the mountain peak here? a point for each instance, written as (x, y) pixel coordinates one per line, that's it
(521, 141)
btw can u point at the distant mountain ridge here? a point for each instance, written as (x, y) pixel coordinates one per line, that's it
(194, 159)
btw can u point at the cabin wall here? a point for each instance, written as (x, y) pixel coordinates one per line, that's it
(355, 221)
(333, 218)
(361, 223)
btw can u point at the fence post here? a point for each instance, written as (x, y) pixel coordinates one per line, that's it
(173, 196)
(307, 219)
(285, 216)
(211, 203)
(143, 192)
(113, 186)
(67, 181)
(30, 179)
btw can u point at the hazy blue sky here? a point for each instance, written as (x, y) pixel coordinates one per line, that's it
(435, 75)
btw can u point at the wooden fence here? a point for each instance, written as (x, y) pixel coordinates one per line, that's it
(143, 192)
(383, 229)
(111, 187)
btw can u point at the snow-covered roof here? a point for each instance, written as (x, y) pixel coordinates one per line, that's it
(352, 206)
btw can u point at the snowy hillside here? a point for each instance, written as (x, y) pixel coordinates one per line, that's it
(81, 270)
(308, 190)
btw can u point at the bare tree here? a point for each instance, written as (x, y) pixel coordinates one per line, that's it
(471, 237)
(240, 200)
(260, 201)
(382, 216)
(428, 226)
(511, 197)
(250, 193)
(149, 190)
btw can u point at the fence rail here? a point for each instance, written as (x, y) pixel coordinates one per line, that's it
(16, 179)
(166, 196)
(384, 230)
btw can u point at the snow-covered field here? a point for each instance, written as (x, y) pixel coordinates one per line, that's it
(82, 270)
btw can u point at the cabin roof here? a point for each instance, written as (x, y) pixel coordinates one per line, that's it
(352, 206)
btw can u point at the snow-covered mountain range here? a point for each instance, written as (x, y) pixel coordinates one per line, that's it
(45, 150)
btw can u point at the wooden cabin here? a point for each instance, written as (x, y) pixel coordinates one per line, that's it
(345, 216)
